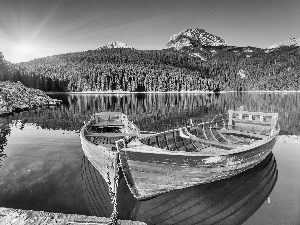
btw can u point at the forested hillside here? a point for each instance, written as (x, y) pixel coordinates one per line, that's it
(220, 68)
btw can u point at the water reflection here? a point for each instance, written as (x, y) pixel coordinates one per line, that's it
(229, 201)
(40, 159)
(159, 112)
(42, 170)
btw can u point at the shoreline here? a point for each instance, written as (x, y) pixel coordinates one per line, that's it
(167, 92)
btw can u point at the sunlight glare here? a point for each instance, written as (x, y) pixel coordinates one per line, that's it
(23, 48)
(23, 51)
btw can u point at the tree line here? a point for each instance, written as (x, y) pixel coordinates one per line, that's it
(218, 69)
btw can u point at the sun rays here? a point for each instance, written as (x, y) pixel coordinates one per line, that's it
(22, 33)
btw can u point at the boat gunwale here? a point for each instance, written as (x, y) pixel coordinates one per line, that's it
(107, 147)
(138, 146)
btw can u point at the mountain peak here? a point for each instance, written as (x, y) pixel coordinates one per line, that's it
(288, 42)
(114, 44)
(194, 38)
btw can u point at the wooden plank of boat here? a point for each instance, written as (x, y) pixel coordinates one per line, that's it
(248, 134)
(106, 124)
(208, 142)
(252, 113)
(100, 150)
(214, 143)
(96, 190)
(246, 117)
(144, 165)
(179, 166)
(239, 197)
(234, 199)
(111, 134)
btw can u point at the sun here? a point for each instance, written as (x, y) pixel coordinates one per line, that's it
(23, 48)
(23, 51)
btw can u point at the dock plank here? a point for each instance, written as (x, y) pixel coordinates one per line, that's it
(10, 216)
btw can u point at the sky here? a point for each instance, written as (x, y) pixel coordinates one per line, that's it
(37, 28)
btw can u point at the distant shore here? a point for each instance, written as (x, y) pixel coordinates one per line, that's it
(167, 92)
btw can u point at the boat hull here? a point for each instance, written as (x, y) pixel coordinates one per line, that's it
(228, 201)
(102, 158)
(149, 174)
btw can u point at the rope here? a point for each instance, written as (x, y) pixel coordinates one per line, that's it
(113, 194)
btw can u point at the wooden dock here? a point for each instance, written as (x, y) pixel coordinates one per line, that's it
(10, 216)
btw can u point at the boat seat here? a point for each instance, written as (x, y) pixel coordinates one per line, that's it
(110, 135)
(105, 124)
(251, 135)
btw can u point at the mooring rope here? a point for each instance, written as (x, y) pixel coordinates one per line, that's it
(113, 194)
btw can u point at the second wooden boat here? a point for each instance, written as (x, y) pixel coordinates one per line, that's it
(197, 154)
(228, 201)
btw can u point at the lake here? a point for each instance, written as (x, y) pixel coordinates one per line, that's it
(42, 166)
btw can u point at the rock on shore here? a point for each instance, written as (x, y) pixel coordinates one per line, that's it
(17, 97)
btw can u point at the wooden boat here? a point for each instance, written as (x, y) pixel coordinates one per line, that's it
(98, 138)
(177, 158)
(197, 154)
(228, 201)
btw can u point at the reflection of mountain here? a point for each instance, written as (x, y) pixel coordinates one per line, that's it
(159, 112)
(229, 201)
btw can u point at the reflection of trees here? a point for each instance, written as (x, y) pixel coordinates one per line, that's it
(158, 112)
(4, 133)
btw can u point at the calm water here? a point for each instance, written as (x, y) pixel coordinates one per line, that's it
(41, 158)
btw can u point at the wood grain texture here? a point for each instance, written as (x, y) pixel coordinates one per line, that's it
(102, 158)
(28, 217)
(152, 173)
(96, 190)
(228, 201)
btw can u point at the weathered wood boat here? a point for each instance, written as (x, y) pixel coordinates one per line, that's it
(228, 201)
(178, 158)
(197, 154)
(98, 137)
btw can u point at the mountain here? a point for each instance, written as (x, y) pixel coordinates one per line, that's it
(194, 38)
(289, 42)
(114, 44)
